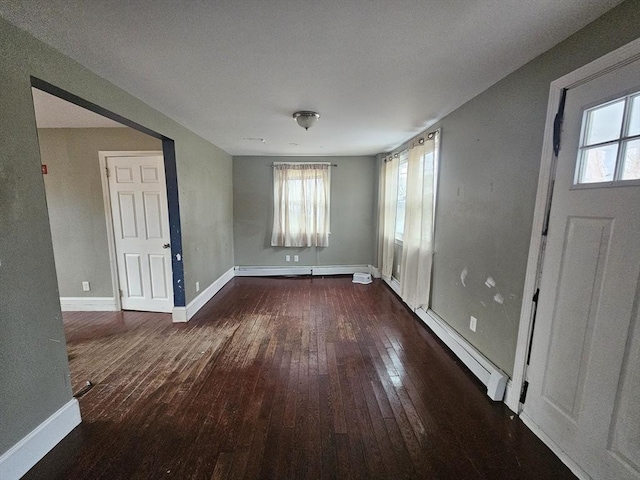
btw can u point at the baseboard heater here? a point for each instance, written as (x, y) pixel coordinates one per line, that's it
(491, 376)
(260, 271)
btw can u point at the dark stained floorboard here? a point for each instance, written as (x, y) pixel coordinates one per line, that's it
(300, 378)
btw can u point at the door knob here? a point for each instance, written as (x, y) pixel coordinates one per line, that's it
(166, 245)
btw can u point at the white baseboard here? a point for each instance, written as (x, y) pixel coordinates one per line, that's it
(509, 393)
(20, 458)
(269, 271)
(88, 304)
(184, 314)
(179, 315)
(553, 446)
(494, 378)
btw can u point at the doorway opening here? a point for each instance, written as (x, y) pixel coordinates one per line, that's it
(72, 133)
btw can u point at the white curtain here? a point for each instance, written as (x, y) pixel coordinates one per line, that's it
(417, 245)
(301, 205)
(388, 202)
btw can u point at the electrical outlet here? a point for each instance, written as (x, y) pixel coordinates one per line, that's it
(295, 258)
(86, 287)
(473, 323)
(287, 258)
(197, 286)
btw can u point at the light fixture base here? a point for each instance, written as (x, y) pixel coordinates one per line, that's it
(306, 118)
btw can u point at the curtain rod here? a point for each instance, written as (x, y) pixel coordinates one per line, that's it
(405, 146)
(297, 163)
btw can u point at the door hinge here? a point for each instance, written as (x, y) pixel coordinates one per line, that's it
(523, 392)
(533, 322)
(557, 122)
(106, 169)
(121, 293)
(547, 213)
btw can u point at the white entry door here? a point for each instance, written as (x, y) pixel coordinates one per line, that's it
(139, 211)
(584, 374)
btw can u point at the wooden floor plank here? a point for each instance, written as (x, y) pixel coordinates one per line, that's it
(300, 378)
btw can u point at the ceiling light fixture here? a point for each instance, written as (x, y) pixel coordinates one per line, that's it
(306, 119)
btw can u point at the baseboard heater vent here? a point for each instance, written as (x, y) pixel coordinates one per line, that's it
(490, 375)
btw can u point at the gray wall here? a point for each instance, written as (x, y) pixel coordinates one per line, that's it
(353, 200)
(206, 206)
(76, 203)
(489, 166)
(34, 376)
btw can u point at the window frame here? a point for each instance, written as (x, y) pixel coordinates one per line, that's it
(620, 142)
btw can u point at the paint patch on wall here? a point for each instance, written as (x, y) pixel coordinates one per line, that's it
(498, 298)
(490, 282)
(463, 276)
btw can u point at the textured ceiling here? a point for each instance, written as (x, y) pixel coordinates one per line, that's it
(378, 72)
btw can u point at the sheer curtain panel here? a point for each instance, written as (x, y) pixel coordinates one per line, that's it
(389, 205)
(417, 247)
(301, 204)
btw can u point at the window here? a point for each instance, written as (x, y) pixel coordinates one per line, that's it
(401, 205)
(301, 204)
(610, 142)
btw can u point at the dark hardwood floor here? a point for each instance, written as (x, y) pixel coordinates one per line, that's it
(284, 378)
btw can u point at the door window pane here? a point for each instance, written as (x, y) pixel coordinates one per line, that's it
(604, 123)
(599, 164)
(634, 121)
(631, 161)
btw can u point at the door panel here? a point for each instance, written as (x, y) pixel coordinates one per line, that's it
(133, 272)
(149, 174)
(141, 229)
(153, 215)
(580, 285)
(584, 386)
(158, 265)
(127, 212)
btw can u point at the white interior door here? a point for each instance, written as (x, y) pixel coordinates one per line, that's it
(584, 374)
(138, 196)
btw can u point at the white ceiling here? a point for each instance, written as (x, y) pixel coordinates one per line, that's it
(53, 112)
(377, 71)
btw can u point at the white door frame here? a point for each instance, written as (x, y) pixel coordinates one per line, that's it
(611, 61)
(109, 215)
